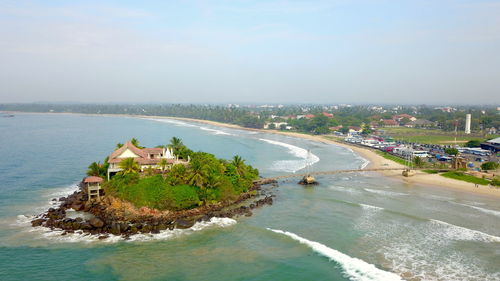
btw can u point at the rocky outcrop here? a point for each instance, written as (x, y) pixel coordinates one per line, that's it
(107, 220)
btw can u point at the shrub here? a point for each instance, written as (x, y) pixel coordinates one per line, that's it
(495, 181)
(489, 166)
(180, 197)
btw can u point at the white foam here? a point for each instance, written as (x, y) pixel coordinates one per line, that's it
(81, 237)
(384, 192)
(370, 207)
(215, 131)
(172, 121)
(455, 232)
(484, 210)
(353, 268)
(293, 165)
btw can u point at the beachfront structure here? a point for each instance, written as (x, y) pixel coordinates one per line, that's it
(93, 186)
(145, 157)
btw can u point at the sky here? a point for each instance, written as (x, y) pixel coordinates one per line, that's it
(241, 51)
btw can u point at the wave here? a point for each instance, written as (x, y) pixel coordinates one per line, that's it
(174, 122)
(384, 192)
(370, 207)
(484, 210)
(455, 232)
(293, 165)
(353, 268)
(215, 131)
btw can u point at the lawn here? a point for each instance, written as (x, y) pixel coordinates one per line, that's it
(391, 157)
(463, 177)
(431, 136)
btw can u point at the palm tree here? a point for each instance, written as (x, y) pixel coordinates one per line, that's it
(175, 144)
(135, 142)
(94, 169)
(239, 164)
(163, 164)
(129, 166)
(119, 145)
(178, 174)
(198, 174)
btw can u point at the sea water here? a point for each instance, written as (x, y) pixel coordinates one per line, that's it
(357, 226)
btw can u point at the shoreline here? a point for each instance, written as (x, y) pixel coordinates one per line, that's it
(375, 160)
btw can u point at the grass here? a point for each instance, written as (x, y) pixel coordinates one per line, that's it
(463, 177)
(427, 136)
(392, 157)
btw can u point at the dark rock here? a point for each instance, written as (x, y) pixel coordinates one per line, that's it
(182, 223)
(102, 237)
(96, 222)
(37, 222)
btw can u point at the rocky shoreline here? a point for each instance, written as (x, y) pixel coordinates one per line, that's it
(105, 220)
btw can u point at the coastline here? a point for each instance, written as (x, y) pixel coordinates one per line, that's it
(375, 160)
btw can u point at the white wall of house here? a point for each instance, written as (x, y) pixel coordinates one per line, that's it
(128, 154)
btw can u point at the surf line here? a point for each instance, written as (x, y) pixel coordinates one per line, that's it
(353, 268)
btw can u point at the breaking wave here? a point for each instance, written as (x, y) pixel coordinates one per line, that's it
(384, 192)
(215, 131)
(484, 210)
(292, 165)
(455, 232)
(353, 268)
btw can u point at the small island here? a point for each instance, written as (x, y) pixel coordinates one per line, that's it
(147, 190)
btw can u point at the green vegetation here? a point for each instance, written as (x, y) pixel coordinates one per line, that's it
(431, 136)
(489, 166)
(463, 177)
(204, 180)
(451, 151)
(473, 143)
(392, 157)
(495, 181)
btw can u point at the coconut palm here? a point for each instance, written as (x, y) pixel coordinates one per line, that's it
(129, 166)
(198, 174)
(163, 164)
(135, 142)
(94, 169)
(175, 144)
(239, 164)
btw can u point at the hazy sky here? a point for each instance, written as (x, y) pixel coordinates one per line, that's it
(400, 51)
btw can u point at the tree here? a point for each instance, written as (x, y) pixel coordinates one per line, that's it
(119, 145)
(239, 164)
(488, 166)
(175, 144)
(419, 163)
(272, 126)
(95, 169)
(473, 143)
(344, 130)
(135, 142)
(163, 164)
(451, 151)
(129, 166)
(197, 174)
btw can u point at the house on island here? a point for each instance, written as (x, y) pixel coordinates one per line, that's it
(145, 157)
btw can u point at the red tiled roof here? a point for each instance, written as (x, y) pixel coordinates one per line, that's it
(143, 154)
(390, 122)
(309, 116)
(327, 114)
(93, 179)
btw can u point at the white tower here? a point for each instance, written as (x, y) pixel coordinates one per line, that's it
(467, 123)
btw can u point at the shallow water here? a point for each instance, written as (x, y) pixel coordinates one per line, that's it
(357, 226)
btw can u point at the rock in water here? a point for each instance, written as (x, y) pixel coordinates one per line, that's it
(307, 180)
(182, 224)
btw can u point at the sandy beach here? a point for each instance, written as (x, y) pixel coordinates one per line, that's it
(376, 161)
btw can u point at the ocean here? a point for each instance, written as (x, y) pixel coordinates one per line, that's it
(358, 226)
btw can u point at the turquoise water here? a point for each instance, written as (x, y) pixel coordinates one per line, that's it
(351, 227)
